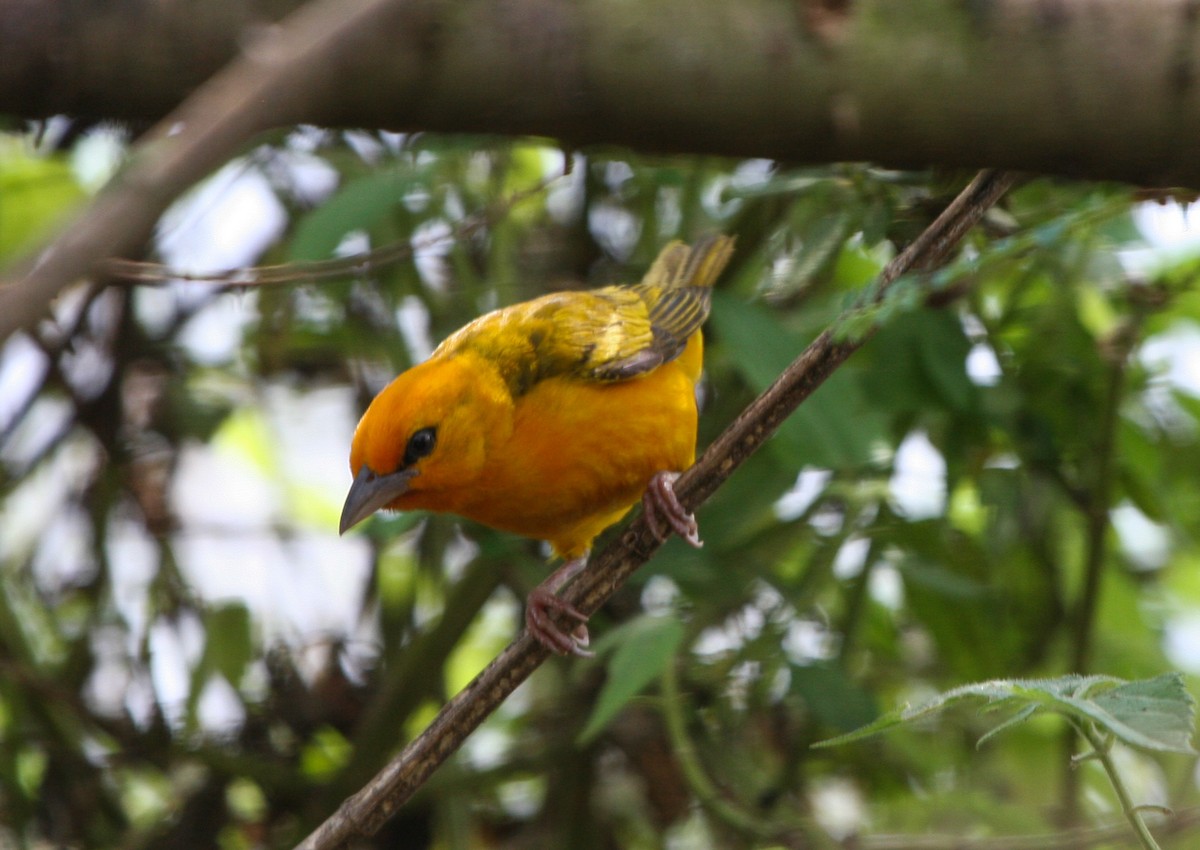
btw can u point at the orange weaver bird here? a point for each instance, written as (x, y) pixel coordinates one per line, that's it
(550, 419)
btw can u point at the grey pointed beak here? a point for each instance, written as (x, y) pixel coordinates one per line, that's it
(370, 492)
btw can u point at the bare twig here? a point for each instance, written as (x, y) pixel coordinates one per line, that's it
(364, 813)
(139, 273)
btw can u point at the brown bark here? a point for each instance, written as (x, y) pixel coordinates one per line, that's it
(1095, 88)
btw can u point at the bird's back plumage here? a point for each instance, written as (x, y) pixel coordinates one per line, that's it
(610, 334)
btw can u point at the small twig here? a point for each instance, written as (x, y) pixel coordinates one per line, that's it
(1132, 812)
(1097, 500)
(364, 813)
(684, 750)
(139, 273)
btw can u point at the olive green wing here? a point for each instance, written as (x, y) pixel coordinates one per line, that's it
(610, 334)
(677, 294)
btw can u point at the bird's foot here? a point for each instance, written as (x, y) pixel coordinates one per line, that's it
(660, 506)
(544, 604)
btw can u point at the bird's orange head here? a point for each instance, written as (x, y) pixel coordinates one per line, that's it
(424, 439)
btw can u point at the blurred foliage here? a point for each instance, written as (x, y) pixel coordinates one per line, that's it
(1000, 484)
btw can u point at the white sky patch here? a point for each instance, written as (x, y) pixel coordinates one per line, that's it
(1146, 543)
(810, 483)
(219, 707)
(353, 242)
(311, 433)
(110, 677)
(133, 563)
(1004, 460)
(807, 641)
(886, 586)
(659, 595)
(22, 366)
(309, 179)
(225, 224)
(1169, 227)
(752, 173)
(714, 641)
(175, 647)
(305, 591)
(1171, 231)
(413, 319)
(827, 520)
(248, 499)
(369, 148)
(431, 243)
(918, 483)
(837, 805)
(565, 196)
(615, 228)
(460, 552)
(851, 557)
(28, 511)
(302, 588)
(983, 368)
(1181, 642)
(214, 334)
(1175, 355)
(140, 699)
(96, 157)
(64, 557)
(486, 747)
(522, 798)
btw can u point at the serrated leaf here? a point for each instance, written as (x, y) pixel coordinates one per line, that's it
(1160, 710)
(1153, 714)
(645, 647)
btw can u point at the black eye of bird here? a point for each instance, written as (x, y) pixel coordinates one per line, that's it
(420, 445)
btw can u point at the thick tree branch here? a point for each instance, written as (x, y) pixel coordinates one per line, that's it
(1094, 88)
(370, 808)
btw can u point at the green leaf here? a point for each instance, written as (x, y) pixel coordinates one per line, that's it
(1016, 720)
(358, 205)
(325, 754)
(835, 699)
(1150, 714)
(837, 426)
(229, 645)
(944, 349)
(36, 195)
(644, 647)
(1160, 711)
(919, 359)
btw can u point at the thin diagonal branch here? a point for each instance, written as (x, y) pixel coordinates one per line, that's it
(364, 813)
(273, 83)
